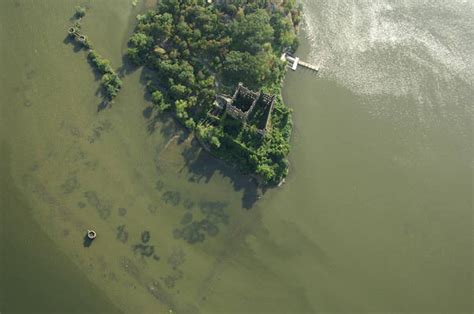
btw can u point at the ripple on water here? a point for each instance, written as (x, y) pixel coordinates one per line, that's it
(403, 49)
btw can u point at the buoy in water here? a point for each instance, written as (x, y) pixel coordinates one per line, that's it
(91, 234)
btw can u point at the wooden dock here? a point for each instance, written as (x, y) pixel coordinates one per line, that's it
(293, 63)
(308, 66)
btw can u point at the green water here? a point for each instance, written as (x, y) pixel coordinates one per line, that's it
(376, 215)
(36, 276)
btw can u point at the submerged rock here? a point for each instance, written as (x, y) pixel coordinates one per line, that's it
(103, 209)
(187, 218)
(171, 197)
(122, 235)
(122, 211)
(144, 250)
(145, 236)
(70, 185)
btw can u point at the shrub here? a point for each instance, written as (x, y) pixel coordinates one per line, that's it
(80, 12)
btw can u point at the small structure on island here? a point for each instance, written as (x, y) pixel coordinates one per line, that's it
(243, 102)
(89, 237)
(91, 234)
(266, 103)
(248, 106)
(82, 38)
(74, 33)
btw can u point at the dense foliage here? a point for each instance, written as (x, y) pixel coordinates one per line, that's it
(80, 12)
(111, 83)
(197, 50)
(110, 80)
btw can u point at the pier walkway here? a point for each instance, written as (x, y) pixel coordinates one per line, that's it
(293, 63)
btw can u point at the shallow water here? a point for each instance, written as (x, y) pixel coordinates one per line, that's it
(376, 214)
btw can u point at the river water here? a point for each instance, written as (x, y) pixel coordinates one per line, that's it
(375, 216)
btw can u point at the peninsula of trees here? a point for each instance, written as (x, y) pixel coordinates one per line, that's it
(217, 70)
(110, 80)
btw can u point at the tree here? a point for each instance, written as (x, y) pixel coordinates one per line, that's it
(111, 84)
(157, 97)
(178, 91)
(103, 65)
(158, 100)
(251, 32)
(163, 26)
(80, 12)
(214, 141)
(140, 41)
(181, 106)
(284, 34)
(266, 171)
(190, 124)
(134, 55)
(246, 68)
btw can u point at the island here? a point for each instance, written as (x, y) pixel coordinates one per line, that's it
(216, 68)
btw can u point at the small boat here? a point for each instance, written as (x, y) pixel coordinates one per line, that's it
(91, 234)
